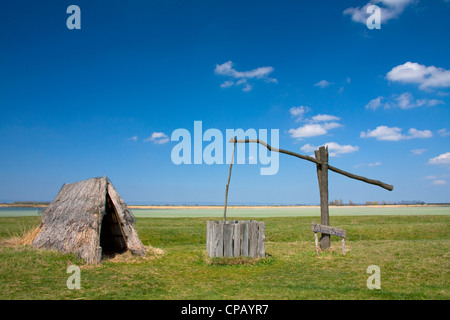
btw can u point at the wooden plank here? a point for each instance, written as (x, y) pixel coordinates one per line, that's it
(237, 239)
(261, 250)
(228, 229)
(253, 239)
(315, 227)
(244, 242)
(97, 256)
(218, 240)
(208, 237)
(212, 239)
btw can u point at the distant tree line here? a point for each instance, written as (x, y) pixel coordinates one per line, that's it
(340, 202)
(28, 203)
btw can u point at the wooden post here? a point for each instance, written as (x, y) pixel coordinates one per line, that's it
(330, 231)
(218, 240)
(261, 240)
(228, 235)
(317, 243)
(252, 239)
(322, 176)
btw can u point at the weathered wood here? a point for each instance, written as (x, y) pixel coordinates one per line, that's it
(317, 243)
(228, 183)
(228, 231)
(261, 251)
(253, 239)
(311, 159)
(235, 238)
(245, 237)
(315, 227)
(322, 176)
(208, 237)
(218, 242)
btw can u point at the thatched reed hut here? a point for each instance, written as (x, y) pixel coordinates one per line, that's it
(90, 219)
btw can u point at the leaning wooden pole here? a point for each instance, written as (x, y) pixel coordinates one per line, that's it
(345, 173)
(228, 183)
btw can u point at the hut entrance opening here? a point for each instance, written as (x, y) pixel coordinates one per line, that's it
(112, 238)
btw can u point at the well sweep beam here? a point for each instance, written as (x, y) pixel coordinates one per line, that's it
(311, 159)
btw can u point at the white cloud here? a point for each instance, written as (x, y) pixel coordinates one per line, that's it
(403, 101)
(308, 130)
(226, 69)
(428, 102)
(385, 133)
(441, 159)
(158, 138)
(322, 84)
(227, 84)
(422, 134)
(325, 117)
(247, 87)
(374, 164)
(443, 132)
(375, 103)
(314, 127)
(406, 101)
(390, 9)
(418, 151)
(437, 180)
(299, 112)
(425, 77)
(134, 138)
(331, 125)
(334, 149)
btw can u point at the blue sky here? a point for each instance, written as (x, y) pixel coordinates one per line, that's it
(82, 103)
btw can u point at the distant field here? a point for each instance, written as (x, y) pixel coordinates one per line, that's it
(260, 212)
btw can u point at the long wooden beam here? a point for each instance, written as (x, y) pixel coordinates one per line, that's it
(311, 159)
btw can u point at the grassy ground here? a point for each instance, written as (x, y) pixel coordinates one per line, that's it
(411, 251)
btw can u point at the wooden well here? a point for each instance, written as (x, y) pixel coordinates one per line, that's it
(235, 238)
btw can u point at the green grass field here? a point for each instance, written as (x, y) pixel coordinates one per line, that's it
(411, 251)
